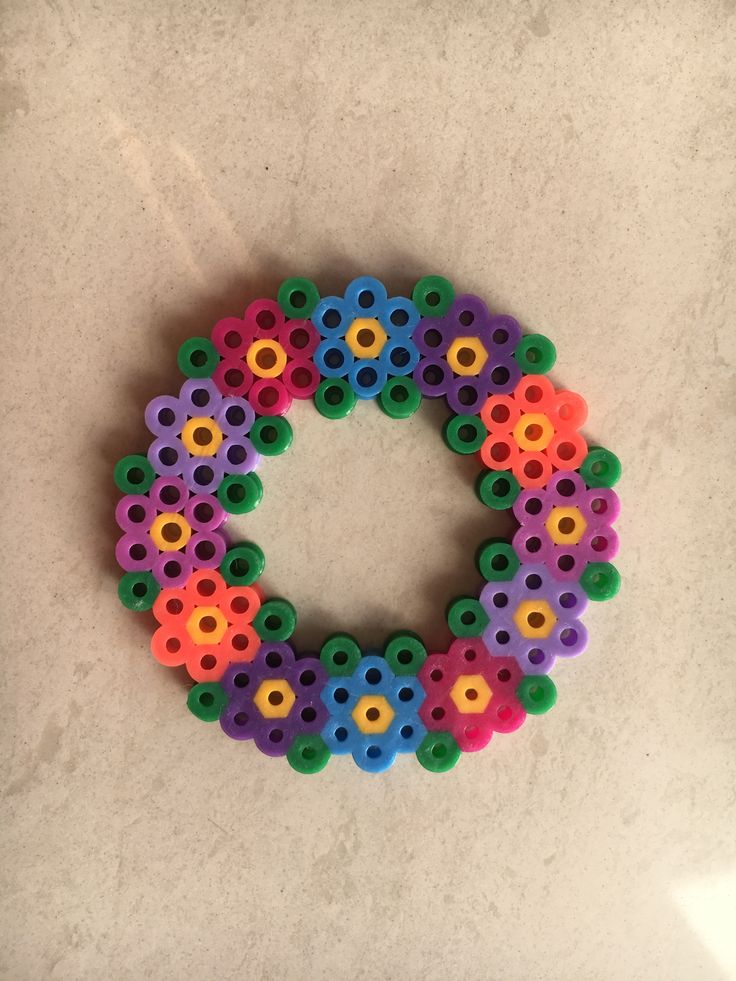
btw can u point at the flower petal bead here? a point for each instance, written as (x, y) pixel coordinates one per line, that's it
(331, 317)
(333, 358)
(232, 337)
(366, 297)
(367, 378)
(265, 318)
(165, 416)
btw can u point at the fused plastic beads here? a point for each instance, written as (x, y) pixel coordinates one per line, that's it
(203, 590)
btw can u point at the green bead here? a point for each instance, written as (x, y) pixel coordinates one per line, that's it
(405, 653)
(600, 468)
(271, 435)
(298, 297)
(138, 591)
(340, 655)
(535, 354)
(243, 564)
(240, 493)
(497, 561)
(497, 490)
(464, 434)
(198, 357)
(466, 617)
(134, 474)
(276, 620)
(438, 752)
(308, 754)
(207, 700)
(334, 399)
(433, 295)
(600, 580)
(537, 693)
(400, 398)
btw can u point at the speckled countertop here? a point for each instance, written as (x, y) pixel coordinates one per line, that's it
(164, 163)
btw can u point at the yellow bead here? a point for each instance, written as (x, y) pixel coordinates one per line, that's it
(534, 618)
(566, 526)
(266, 358)
(170, 532)
(533, 431)
(201, 436)
(471, 694)
(365, 337)
(466, 355)
(275, 698)
(373, 714)
(206, 625)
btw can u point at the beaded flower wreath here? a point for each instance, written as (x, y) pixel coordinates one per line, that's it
(214, 618)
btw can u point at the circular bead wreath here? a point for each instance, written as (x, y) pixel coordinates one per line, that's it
(203, 590)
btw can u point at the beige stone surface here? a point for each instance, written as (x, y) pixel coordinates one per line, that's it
(165, 162)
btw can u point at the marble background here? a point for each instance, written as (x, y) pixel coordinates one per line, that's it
(163, 163)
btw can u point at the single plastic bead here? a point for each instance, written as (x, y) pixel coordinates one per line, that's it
(298, 297)
(405, 653)
(537, 693)
(600, 580)
(433, 295)
(138, 590)
(243, 564)
(240, 493)
(276, 620)
(335, 399)
(340, 655)
(497, 490)
(438, 752)
(600, 468)
(535, 354)
(134, 474)
(497, 561)
(207, 700)
(271, 435)
(466, 617)
(400, 398)
(308, 754)
(464, 434)
(198, 357)
(269, 397)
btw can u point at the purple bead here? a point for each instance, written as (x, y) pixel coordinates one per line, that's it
(239, 455)
(432, 337)
(206, 550)
(566, 636)
(501, 334)
(169, 494)
(135, 552)
(433, 377)
(167, 456)
(274, 662)
(200, 397)
(172, 569)
(165, 416)
(203, 474)
(134, 513)
(204, 512)
(466, 395)
(467, 315)
(235, 416)
(500, 374)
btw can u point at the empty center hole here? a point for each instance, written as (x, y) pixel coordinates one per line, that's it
(266, 358)
(536, 620)
(365, 337)
(372, 714)
(275, 698)
(171, 532)
(370, 526)
(566, 526)
(466, 356)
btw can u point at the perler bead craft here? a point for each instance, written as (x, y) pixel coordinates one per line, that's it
(211, 614)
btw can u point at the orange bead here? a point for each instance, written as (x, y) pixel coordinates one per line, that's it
(240, 604)
(240, 642)
(499, 452)
(206, 587)
(170, 645)
(567, 450)
(172, 607)
(532, 469)
(500, 414)
(534, 393)
(569, 410)
(207, 664)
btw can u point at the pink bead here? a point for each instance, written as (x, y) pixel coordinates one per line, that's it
(301, 379)
(269, 397)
